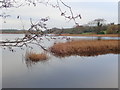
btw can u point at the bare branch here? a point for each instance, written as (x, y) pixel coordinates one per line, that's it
(35, 32)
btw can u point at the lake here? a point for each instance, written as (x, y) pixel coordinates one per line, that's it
(68, 72)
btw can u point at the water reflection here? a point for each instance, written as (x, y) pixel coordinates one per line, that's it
(83, 55)
(68, 72)
(30, 63)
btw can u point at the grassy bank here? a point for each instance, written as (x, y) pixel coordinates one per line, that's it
(86, 48)
(97, 35)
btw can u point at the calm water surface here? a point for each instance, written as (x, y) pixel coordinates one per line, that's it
(69, 72)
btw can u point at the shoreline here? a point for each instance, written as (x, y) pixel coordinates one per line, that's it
(87, 35)
(12, 33)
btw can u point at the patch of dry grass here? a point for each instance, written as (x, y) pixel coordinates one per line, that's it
(36, 57)
(96, 35)
(85, 48)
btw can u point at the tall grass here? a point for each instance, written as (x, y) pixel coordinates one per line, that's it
(85, 48)
(35, 56)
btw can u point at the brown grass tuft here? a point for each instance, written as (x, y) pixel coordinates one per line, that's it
(36, 57)
(86, 48)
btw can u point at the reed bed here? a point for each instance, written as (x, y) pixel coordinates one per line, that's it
(35, 57)
(95, 35)
(85, 48)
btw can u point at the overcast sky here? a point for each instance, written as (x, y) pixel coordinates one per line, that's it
(89, 11)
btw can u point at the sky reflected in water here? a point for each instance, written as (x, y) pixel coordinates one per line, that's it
(69, 72)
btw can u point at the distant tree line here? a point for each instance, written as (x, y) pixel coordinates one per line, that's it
(104, 29)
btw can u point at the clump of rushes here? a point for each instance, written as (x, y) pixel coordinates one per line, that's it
(85, 48)
(35, 57)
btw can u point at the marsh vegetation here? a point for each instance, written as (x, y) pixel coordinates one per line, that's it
(86, 48)
(35, 57)
(90, 35)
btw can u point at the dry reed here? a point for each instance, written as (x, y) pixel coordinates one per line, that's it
(95, 35)
(35, 57)
(85, 48)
